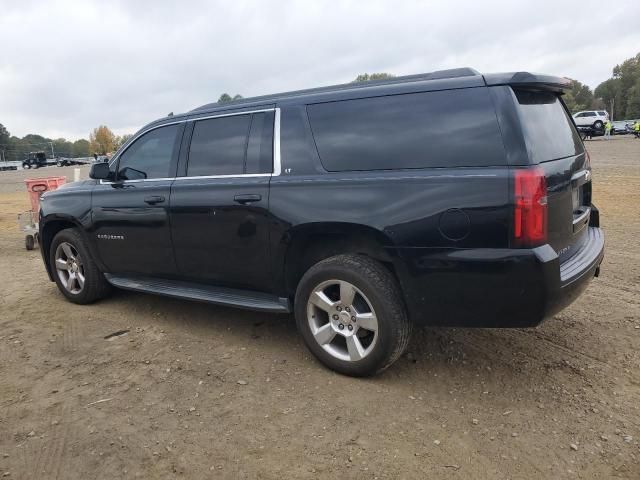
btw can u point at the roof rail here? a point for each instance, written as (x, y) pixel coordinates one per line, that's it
(437, 75)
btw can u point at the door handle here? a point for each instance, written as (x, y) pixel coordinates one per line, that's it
(152, 200)
(247, 198)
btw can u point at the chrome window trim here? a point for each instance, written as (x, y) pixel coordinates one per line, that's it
(277, 166)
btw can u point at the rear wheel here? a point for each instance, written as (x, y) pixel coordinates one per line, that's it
(74, 271)
(351, 315)
(598, 124)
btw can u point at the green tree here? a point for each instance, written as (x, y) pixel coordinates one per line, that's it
(622, 90)
(63, 148)
(122, 139)
(4, 136)
(580, 97)
(81, 148)
(226, 98)
(366, 77)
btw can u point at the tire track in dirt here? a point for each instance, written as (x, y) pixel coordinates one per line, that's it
(522, 342)
(70, 335)
(44, 457)
(555, 353)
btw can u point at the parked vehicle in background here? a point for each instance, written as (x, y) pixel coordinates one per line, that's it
(621, 127)
(65, 162)
(35, 160)
(591, 118)
(347, 206)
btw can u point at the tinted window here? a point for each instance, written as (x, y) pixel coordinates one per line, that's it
(260, 146)
(150, 155)
(432, 129)
(547, 128)
(580, 115)
(218, 146)
(602, 113)
(590, 114)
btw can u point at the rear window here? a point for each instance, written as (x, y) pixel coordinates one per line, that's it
(452, 128)
(548, 130)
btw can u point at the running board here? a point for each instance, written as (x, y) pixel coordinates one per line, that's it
(203, 293)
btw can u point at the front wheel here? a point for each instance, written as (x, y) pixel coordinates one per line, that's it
(350, 312)
(74, 271)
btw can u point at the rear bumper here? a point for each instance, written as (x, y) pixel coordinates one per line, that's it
(494, 287)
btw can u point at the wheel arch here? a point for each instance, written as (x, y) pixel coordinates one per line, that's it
(305, 245)
(49, 230)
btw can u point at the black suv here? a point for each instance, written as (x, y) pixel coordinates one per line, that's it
(450, 198)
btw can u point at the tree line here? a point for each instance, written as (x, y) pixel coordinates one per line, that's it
(101, 141)
(619, 95)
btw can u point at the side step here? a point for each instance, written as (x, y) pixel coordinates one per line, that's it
(203, 293)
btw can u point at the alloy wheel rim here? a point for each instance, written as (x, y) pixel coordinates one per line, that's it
(342, 320)
(69, 268)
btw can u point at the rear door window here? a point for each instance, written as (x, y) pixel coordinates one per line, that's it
(451, 128)
(548, 130)
(218, 146)
(232, 145)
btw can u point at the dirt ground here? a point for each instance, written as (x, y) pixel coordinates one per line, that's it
(197, 391)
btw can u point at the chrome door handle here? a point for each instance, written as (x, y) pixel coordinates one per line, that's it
(152, 200)
(247, 198)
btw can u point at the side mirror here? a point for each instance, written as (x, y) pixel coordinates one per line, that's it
(100, 171)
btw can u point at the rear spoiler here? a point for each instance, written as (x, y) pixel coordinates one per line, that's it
(530, 80)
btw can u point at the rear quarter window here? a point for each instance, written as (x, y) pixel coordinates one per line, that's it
(548, 130)
(452, 128)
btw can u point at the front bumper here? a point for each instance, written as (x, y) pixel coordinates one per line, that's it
(494, 287)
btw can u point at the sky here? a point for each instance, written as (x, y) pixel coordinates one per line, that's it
(68, 66)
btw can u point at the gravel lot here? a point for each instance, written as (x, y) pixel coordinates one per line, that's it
(197, 391)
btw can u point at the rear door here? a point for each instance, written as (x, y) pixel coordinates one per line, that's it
(554, 144)
(219, 203)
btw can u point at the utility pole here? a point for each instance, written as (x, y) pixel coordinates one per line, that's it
(613, 102)
(52, 154)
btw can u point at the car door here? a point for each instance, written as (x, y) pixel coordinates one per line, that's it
(131, 213)
(580, 119)
(219, 201)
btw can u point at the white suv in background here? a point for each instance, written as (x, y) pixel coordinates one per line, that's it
(591, 118)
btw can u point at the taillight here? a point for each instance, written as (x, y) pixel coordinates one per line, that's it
(530, 213)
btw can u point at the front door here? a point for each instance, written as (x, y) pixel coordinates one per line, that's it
(131, 214)
(219, 206)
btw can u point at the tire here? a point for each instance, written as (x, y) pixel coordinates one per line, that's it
(59, 164)
(69, 244)
(29, 242)
(375, 296)
(598, 124)
(26, 166)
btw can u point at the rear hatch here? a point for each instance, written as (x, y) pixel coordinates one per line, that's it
(554, 145)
